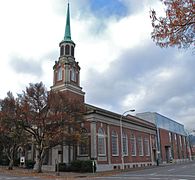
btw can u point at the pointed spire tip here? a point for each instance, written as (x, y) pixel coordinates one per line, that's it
(67, 35)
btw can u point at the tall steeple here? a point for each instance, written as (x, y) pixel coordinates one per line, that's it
(67, 35)
(66, 69)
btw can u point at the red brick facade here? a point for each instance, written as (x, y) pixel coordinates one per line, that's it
(173, 146)
(109, 122)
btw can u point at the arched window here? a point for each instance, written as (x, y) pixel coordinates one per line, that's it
(101, 142)
(114, 143)
(62, 51)
(67, 49)
(84, 143)
(133, 144)
(72, 51)
(59, 74)
(125, 144)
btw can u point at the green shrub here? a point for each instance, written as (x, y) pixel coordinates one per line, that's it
(30, 164)
(87, 166)
(62, 167)
(76, 165)
(4, 161)
(83, 166)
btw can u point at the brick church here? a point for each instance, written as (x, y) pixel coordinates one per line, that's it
(114, 141)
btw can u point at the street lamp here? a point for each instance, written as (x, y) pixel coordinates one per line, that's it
(121, 130)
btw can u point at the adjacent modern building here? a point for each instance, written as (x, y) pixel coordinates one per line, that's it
(171, 137)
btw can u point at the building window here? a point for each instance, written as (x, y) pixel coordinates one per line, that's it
(101, 142)
(147, 147)
(176, 138)
(133, 145)
(84, 143)
(180, 141)
(184, 141)
(170, 138)
(59, 74)
(73, 75)
(72, 51)
(62, 51)
(125, 145)
(114, 143)
(67, 49)
(140, 146)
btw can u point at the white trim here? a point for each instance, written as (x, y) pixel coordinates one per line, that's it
(104, 142)
(140, 151)
(59, 74)
(135, 144)
(148, 146)
(117, 143)
(126, 138)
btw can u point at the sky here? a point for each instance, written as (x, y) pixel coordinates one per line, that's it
(121, 67)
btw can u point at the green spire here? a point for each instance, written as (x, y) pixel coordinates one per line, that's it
(67, 35)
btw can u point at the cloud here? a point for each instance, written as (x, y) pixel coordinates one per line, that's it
(121, 67)
(147, 79)
(25, 66)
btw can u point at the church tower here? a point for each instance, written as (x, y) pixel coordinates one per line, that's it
(66, 71)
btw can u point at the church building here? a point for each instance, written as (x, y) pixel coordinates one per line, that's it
(114, 141)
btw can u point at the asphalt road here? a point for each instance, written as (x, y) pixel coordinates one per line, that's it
(184, 171)
(9, 177)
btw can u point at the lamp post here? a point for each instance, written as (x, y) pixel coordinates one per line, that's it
(121, 130)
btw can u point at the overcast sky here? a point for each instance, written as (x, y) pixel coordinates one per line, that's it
(121, 68)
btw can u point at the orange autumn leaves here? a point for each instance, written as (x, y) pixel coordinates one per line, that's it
(177, 28)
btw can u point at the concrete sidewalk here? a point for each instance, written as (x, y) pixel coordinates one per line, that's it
(64, 175)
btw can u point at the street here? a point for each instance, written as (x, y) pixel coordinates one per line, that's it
(10, 177)
(184, 171)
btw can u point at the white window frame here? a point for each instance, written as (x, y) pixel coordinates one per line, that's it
(101, 135)
(140, 146)
(114, 137)
(73, 75)
(147, 146)
(59, 74)
(133, 148)
(125, 145)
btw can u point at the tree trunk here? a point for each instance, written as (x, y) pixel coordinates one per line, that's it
(39, 161)
(11, 164)
(11, 158)
(39, 166)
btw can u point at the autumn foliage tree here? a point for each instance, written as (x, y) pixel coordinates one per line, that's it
(177, 28)
(11, 133)
(50, 118)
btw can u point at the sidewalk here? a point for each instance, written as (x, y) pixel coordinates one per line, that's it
(63, 175)
(72, 175)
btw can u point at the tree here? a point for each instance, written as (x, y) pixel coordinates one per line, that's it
(49, 116)
(178, 27)
(11, 133)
